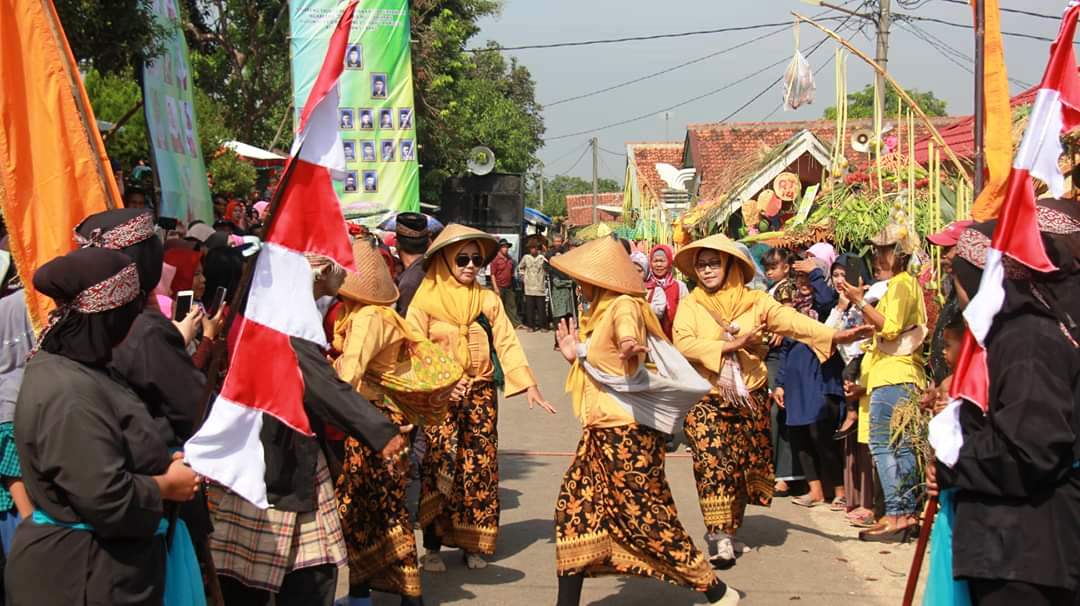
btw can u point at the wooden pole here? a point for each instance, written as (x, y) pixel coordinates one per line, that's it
(899, 90)
(122, 121)
(920, 551)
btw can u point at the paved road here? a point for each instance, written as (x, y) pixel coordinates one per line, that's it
(802, 556)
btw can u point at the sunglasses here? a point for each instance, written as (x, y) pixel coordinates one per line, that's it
(715, 264)
(463, 260)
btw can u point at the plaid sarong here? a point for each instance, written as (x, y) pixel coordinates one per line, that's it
(259, 547)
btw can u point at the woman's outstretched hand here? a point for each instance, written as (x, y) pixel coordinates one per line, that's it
(850, 335)
(534, 398)
(630, 348)
(566, 337)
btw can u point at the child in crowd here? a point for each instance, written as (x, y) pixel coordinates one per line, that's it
(777, 265)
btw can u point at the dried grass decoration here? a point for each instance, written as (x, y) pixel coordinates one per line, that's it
(910, 426)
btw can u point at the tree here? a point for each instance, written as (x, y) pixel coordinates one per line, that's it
(557, 188)
(240, 57)
(230, 174)
(113, 36)
(861, 103)
(111, 96)
(465, 99)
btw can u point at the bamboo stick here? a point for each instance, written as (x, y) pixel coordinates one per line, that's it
(899, 90)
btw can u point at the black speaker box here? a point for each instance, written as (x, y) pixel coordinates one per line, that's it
(492, 202)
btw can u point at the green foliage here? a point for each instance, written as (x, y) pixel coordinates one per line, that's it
(467, 99)
(111, 35)
(112, 96)
(557, 188)
(861, 103)
(240, 58)
(230, 174)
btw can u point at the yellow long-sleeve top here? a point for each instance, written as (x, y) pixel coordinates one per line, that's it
(369, 340)
(903, 307)
(477, 362)
(701, 339)
(617, 318)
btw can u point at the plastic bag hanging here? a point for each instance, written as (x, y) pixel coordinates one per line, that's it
(798, 83)
(798, 79)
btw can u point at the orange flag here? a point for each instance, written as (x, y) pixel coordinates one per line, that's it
(53, 167)
(998, 129)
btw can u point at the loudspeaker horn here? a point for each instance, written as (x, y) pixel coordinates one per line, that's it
(481, 160)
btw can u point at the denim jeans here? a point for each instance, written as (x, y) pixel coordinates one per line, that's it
(895, 465)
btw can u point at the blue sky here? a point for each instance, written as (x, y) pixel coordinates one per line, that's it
(565, 72)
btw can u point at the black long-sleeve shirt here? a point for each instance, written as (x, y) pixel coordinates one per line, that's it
(290, 456)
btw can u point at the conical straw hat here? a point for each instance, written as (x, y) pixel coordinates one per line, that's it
(371, 282)
(687, 255)
(604, 263)
(456, 232)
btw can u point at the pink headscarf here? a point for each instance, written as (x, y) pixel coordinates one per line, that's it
(260, 209)
(825, 252)
(163, 291)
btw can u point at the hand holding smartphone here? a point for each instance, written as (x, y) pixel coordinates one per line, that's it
(184, 300)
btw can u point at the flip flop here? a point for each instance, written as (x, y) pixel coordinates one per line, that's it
(838, 504)
(807, 501)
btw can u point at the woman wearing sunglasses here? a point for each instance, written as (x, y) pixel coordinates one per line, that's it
(453, 311)
(719, 329)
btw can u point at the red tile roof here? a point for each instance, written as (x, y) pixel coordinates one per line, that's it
(723, 152)
(646, 156)
(960, 136)
(579, 208)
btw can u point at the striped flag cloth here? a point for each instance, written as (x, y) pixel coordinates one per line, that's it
(1056, 111)
(264, 374)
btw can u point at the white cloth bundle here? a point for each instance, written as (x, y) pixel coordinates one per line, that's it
(659, 399)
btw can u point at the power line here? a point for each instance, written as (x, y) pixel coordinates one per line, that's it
(954, 55)
(701, 32)
(619, 154)
(666, 70)
(574, 165)
(900, 17)
(1012, 10)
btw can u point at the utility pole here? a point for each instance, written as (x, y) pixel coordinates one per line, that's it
(541, 186)
(595, 184)
(980, 94)
(884, 22)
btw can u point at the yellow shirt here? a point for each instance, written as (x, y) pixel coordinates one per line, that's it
(367, 342)
(592, 405)
(478, 366)
(903, 307)
(701, 339)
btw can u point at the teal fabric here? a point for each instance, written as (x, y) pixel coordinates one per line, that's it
(183, 579)
(9, 464)
(498, 378)
(941, 588)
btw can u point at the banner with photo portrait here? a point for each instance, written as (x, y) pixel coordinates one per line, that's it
(375, 112)
(168, 92)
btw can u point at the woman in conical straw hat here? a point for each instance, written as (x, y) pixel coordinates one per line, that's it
(459, 501)
(373, 340)
(719, 329)
(617, 475)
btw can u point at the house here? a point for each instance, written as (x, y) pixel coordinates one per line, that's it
(579, 208)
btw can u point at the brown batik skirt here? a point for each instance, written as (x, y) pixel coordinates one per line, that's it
(616, 515)
(733, 458)
(460, 474)
(375, 520)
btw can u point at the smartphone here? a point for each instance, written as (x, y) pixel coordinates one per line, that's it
(167, 223)
(217, 301)
(184, 299)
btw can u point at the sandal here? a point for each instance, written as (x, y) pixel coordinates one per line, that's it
(807, 501)
(838, 504)
(865, 521)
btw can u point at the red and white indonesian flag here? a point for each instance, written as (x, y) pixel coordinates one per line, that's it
(1056, 111)
(264, 374)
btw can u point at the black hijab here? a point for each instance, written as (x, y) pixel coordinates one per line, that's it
(1055, 294)
(86, 337)
(124, 225)
(222, 267)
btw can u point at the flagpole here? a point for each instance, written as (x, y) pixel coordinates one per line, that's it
(980, 96)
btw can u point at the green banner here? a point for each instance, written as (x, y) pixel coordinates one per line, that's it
(375, 114)
(170, 116)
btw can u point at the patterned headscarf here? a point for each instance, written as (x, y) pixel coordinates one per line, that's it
(93, 289)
